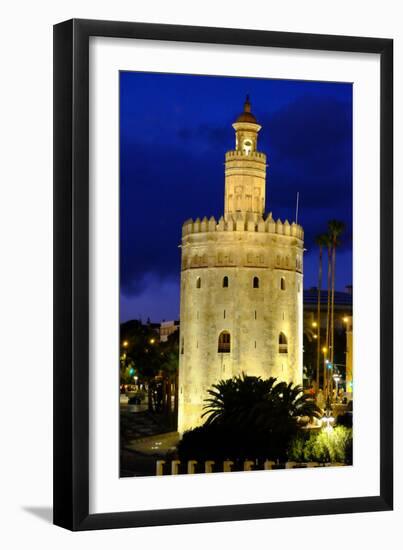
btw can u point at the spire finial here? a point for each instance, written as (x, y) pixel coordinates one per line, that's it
(247, 104)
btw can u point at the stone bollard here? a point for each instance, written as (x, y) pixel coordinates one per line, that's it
(247, 465)
(192, 466)
(228, 465)
(290, 465)
(268, 464)
(160, 468)
(175, 467)
(208, 466)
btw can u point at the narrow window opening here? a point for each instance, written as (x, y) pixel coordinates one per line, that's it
(255, 282)
(224, 342)
(198, 282)
(225, 282)
(282, 343)
(182, 346)
(282, 283)
(255, 314)
(224, 313)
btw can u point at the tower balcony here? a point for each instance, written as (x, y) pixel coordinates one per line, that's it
(242, 155)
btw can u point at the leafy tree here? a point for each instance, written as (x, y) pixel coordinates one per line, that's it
(155, 363)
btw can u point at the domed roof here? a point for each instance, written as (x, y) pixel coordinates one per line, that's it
(247, 116)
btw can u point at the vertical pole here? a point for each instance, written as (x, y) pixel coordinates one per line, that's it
(296, 208)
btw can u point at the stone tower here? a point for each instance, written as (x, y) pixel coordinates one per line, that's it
(241, 285)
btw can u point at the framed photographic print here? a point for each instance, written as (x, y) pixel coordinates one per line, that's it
(223, 293)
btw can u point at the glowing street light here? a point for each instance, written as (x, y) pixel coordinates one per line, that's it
(337, 378)
(152, 341)
(328, 421)
(314, 324)
(125, 343)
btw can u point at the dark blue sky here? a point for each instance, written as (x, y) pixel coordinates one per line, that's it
(174, 132)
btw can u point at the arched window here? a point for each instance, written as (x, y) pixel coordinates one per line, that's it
(255, 282)
(282, 283)
(198, 282)
(282, 343)
(225, 282)
(224, 342)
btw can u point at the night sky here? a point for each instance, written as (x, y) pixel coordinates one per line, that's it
(174, 132)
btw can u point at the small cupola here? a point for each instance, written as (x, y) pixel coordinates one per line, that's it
(247, 115)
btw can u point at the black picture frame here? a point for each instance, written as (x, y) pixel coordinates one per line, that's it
(71, 274)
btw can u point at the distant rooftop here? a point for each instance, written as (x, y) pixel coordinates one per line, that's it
(340, 298)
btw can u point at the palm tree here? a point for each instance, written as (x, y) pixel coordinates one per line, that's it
(336, 227)
(252, 403)
(328, 244)
(321, 241)
(249, 417)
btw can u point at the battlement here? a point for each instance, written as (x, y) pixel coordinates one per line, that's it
(243, 222)
(255, 155)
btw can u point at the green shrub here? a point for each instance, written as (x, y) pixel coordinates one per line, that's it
(297, 448)
(324, 446)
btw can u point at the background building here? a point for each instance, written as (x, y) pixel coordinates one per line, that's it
(167, 328)
(343, 328)
(241, 285)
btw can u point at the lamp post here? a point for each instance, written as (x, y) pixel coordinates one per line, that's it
(337, 378)
(325, 361)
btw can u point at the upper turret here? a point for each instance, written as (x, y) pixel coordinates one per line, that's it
(246, 130)
(245, 168)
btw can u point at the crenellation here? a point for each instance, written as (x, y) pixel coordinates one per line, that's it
(212, 224)
(242, 223)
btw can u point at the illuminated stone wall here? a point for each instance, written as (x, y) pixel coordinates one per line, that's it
(241, 275)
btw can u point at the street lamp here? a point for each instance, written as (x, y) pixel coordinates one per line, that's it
(125, 343)
(328, 420)
(325, 380)
(337, 378)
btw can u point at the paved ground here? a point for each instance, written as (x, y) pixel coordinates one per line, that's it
(145, 438)
(155, 444)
